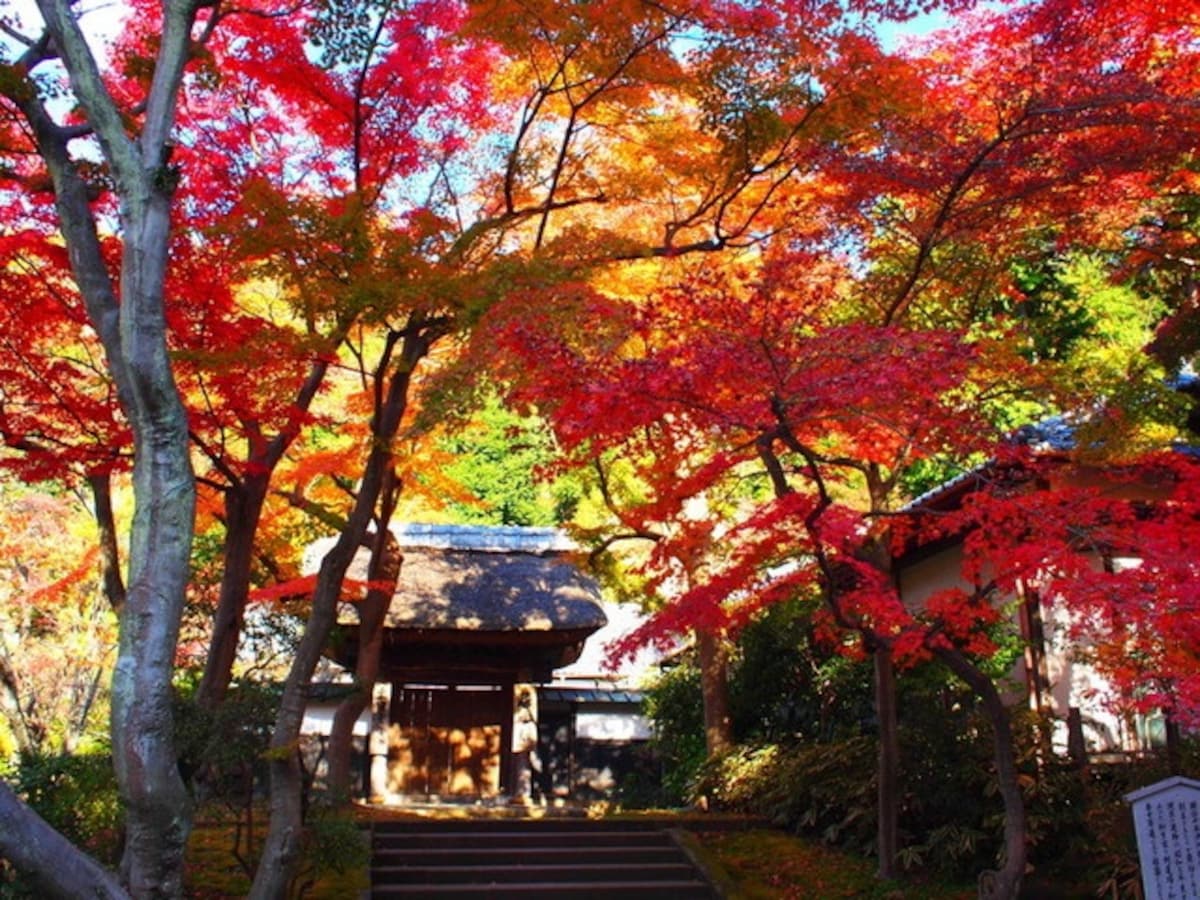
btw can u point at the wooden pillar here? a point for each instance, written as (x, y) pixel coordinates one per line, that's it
(1076, 743)
(524, 742)
(1033, 629)
(377, 741)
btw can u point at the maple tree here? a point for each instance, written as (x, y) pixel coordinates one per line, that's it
(315, 233)
(58, 408)
(387, 173)
(128, 318)
(1102, 543)
(250, 379)
(704, 384)
(575, 184)
(839, 364)
(343, 208)
(56, 628)
(786, 435)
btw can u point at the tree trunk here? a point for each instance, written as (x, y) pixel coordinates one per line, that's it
(285, 832)
(53, 863)
(243, 512)
(110, 557)
(372, 611)
(133, 332)
(157, 807)
(714, 683)
(1004, 884)
(888, 773)
(877, 552)
(12, 709)
(244, 502)
(1174, 743)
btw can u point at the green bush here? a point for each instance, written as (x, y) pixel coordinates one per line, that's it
(77, 795)
(826, 790)
(674, 705)
(782, 687)
(1080, 830)
(806, 761)
(333, 843)
(221, 749)
(221, 757)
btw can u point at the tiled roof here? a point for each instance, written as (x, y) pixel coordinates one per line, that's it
(587, 695)
(1055, 434)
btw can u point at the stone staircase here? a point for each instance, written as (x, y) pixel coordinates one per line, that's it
(534, 858)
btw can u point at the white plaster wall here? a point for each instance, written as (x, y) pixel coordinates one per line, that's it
(927, 576)
(611, 726)
(1072, 682)
(592, 667)
(318, 720)
(1075, 682)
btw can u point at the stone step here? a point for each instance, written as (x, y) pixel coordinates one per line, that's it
(690, 889)
(529, 872)
(519, 838)
(549, 824)
(490, 854)
(538, 859)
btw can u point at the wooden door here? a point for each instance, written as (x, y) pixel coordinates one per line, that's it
(445, 740)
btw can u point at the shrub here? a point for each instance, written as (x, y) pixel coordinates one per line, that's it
(826, 790)
(781, 687)
(1081, 826)
(333, 844)
(674, 704)
(75, 794)
(221, 758)
(806, 761)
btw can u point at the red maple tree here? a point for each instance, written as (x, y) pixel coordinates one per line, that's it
(861, 344)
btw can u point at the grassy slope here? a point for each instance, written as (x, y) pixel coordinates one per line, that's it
(771, 865)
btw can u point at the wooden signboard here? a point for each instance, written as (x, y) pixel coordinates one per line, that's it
(1166, 817)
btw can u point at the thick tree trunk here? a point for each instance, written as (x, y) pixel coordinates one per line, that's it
(133, 332)
(1004, 884)
(282, 849)
(53, 863)
(134, 336)
(888, 773)
(157, 806)
(285, 831)
(714, 683)
(384, 571)
(243, 512)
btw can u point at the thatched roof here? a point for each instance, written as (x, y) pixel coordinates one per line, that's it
(473, 578)
(490, 591)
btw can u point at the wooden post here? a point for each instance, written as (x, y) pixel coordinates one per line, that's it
(1076, 745)
(377, 741)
